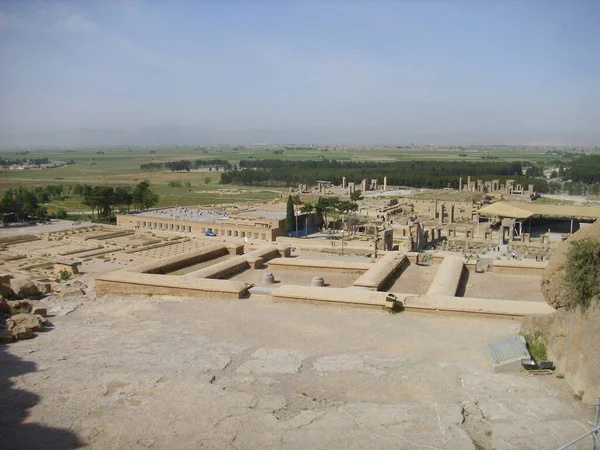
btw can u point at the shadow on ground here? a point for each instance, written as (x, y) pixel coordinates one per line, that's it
(15, 434)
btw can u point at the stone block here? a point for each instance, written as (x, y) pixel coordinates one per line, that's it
(39, 311)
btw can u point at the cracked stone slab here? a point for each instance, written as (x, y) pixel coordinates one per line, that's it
(266, 360)
(537, 434)
(353, 363)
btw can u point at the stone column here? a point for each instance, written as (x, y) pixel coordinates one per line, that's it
(385, 183)
(344, 183)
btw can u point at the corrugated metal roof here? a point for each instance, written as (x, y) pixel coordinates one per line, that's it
(512, 349)
(526, 210)
(559, 210)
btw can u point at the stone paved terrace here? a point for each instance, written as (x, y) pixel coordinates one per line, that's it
(247, 374)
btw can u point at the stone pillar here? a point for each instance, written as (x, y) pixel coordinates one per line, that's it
(460, 184)
(267, 278)
(451, 218)
(385, 183)
(344, 183)
(317, 281)
(363, 185)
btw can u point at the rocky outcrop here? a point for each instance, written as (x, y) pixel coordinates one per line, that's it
(24, 288)
(572, 337)
(4, 307)
(19, 306)
(23, 326)
(5, 290)
(553, 283)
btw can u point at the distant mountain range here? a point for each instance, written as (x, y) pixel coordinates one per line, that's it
(189, 135)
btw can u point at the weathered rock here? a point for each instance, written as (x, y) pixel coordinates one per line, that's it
(538, 325)
(19, 306)
(5, 335)
(21, 332)
(44, 288)
(72, 293)
(5, 277)
(572, 337)
(553, 283)
(6, 291)
(4, 307)
(30, 321)
(574, 346)
(39, 311)
(24, 288)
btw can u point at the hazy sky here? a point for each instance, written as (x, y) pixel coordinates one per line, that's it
(393, 71)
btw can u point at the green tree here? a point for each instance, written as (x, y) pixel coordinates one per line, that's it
(582, 273)
(307, 208)
(41, 213)
(356, 195)
(297, 202)
(143, 197)
(345, 208)
(327, 206)
(289, 215)
(123, 197)
(61, 213)
(318, 215)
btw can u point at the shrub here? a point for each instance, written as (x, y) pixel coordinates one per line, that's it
(61, 213)
(537, 348)
(175, 183)
(582, 273)
(63, 275)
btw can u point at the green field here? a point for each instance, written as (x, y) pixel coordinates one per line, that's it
(121, 166)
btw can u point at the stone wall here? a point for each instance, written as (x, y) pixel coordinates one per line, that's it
(572, 337)
(225, 228)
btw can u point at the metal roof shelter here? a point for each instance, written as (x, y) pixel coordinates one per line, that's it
(527, 210)
(508, 355)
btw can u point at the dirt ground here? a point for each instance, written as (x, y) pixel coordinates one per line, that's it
(246, 374)
(504, 286)
(414, 279)
(52, 226)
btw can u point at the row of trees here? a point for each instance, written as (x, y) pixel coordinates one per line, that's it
(448, 168)
(324, 208)
(585, 169)
(573, 188)
(22, 204)
(21, 161)
(105, 200)
(185, 165)
(419, 174)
